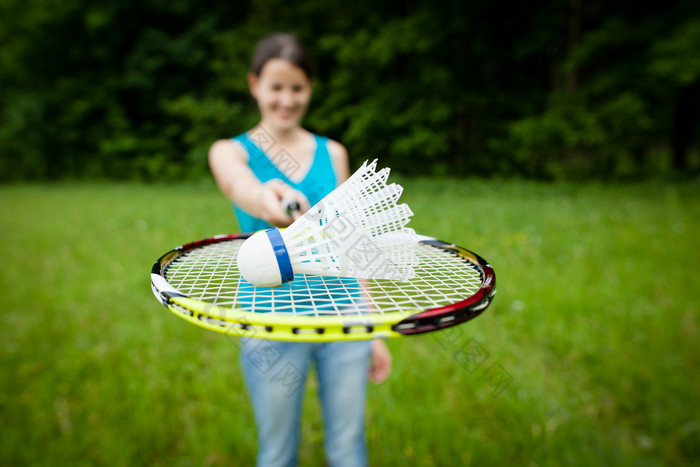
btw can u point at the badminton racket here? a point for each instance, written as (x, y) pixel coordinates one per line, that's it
(200, 283)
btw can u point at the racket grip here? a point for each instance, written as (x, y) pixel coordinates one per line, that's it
(291, 207)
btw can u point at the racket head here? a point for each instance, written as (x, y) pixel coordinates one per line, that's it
(200, 283)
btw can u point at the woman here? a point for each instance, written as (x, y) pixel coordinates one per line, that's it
(280, 160)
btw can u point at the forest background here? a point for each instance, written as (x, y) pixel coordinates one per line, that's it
(548, 89)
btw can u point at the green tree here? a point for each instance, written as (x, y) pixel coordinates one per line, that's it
(632, 70)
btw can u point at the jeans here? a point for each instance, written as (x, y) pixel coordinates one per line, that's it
(275, 374)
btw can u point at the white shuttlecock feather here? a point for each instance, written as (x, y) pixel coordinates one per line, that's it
(357, 230)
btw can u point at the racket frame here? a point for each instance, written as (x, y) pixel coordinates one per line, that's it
(319, 328)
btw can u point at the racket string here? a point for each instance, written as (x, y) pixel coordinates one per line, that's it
(210, 274)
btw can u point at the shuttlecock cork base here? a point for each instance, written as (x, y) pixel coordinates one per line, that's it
(358, 230)
(264, 261)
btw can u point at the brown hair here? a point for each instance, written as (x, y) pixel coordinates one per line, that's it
(284, 46)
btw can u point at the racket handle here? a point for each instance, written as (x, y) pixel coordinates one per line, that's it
(291, 207)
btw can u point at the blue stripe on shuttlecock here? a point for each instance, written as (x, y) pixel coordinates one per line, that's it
(281, 254)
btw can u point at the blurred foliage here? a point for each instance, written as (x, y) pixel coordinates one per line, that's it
(549, 89)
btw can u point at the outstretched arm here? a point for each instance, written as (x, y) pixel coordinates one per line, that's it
(229, 165)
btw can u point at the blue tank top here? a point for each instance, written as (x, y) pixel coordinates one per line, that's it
(314, 294)
(317, 183)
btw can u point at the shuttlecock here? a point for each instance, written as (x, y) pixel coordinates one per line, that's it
(357, 230)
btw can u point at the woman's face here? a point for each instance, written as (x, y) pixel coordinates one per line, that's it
(283, 92)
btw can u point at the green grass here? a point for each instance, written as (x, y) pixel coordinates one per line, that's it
(593, 333)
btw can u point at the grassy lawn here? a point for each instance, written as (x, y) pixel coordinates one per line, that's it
(588, 355)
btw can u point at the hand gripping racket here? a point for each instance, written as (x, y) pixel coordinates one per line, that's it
(200, 283)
